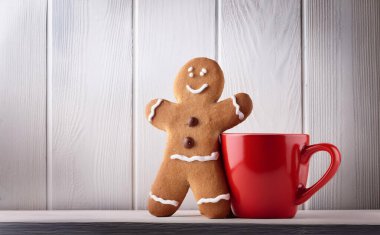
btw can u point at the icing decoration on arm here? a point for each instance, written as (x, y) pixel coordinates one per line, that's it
(203, 72)
(214, 156)
(214, 199)
(153, 109)
(197, 91)
(163, 201)
(237, 108)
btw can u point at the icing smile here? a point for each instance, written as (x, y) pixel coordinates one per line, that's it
(197, 91)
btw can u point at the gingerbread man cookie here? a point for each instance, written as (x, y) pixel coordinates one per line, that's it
(193, 125)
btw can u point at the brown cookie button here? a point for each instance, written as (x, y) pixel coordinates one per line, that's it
(193, 121)
(188, 142)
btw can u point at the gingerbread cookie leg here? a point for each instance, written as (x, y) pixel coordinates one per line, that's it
(210, 190)
(168, 191)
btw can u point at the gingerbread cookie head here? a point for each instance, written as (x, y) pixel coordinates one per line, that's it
(199, 80)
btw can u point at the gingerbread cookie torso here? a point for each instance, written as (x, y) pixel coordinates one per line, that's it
(193, 125)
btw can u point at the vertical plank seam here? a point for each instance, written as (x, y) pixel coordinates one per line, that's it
(303, 103)
(133, 100)
(49, 48)
(302, 66)
(217, 27)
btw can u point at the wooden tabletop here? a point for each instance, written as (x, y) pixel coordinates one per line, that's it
(82, 221)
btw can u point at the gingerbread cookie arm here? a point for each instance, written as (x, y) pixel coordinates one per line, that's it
(159, 112)
(232, 111)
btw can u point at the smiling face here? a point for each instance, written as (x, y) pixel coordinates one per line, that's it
(200, 79)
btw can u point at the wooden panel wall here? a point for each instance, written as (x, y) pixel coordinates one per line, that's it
(77, 138)
(23, 104)
(91, 113)
(260, 53)
(342, 98)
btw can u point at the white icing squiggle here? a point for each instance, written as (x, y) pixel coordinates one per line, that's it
(237, 108)
(214, 156)
(190, 69)
(163, 201)
(215, 199)
(197, 91)
(153, 108)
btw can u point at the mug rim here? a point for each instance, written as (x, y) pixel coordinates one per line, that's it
(264, 134)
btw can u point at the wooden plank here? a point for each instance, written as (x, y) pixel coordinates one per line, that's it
(91, 157)
(23, 104)
(168, 33)
(185, 222)
(316, 217)
(149, 228)
(342, 98)
(260, 53)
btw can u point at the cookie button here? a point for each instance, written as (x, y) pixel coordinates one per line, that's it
(192, 122)
(188, 142)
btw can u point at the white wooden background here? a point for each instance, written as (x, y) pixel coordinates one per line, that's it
(75, 76)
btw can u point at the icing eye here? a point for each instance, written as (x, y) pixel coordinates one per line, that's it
(203, 72)
(191, 75)
(190, 69)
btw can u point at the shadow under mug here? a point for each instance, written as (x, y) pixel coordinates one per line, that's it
(267, 173)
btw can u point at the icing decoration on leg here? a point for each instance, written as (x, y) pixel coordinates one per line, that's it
(153, 108)
(237, 108)
(214, 156)
(197, 91)
(163, 201)
(214, 199)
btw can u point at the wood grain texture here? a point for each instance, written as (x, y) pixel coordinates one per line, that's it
(177, 228)
(306, 217)
(260, 53)
(91, 105)
(185, 222)
(168, 34)
(154, 228)
(342, 98)
(23, 104)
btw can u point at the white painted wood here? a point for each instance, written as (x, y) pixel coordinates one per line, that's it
(342, 98)
(168, 33)
(89, 142)
(91, 105)
(22, 104)
(357, 217)
(260, 53)
(49, 125)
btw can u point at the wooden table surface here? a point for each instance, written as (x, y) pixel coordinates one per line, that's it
(123, 221)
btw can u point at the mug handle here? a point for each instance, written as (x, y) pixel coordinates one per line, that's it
(303, 194)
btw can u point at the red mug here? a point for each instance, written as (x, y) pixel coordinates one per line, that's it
(267, 173)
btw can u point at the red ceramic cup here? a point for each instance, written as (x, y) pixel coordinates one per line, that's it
(267, 173)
